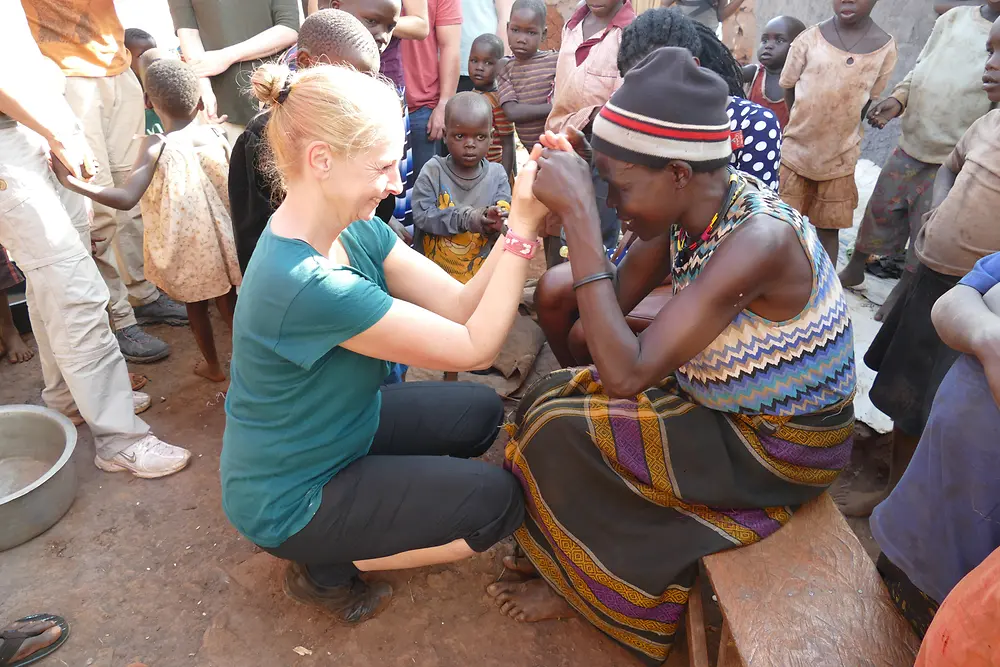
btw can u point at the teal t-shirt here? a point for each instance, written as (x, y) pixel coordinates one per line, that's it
(300, 408)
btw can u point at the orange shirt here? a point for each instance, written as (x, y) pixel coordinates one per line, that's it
(83, 37)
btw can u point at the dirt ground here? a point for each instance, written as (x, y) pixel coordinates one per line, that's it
(151, 571)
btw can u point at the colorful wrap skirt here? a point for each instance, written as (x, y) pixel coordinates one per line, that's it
(624, 496)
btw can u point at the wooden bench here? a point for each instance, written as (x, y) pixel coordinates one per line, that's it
(807, 596)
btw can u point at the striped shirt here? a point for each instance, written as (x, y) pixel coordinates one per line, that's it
(502, 127)
(528, 82)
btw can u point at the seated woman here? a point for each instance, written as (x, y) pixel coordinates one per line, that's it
(319, 466)
(709, 429)
(756, 151)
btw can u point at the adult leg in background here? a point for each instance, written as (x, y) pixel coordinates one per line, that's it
(111, 111)
(421, 147)
(414, 500)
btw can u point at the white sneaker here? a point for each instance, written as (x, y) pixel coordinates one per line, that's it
(148, 458)
(140, 403)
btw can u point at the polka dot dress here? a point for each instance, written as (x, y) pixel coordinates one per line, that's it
(761, 152)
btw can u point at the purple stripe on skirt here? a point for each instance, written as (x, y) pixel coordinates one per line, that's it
(628, 440)
(826, 458)
(665, 612)
(756, 520)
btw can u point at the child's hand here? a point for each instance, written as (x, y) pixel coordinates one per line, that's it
(880, 114)
(63, 174)
(494, 218)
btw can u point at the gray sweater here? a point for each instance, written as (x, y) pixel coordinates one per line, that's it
(445, 205)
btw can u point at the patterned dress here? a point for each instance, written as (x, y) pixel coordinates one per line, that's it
(625, 495)
(188, 243)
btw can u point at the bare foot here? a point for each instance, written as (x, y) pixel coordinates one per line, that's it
(529, 602)
(209, 371)
(520, 564)
(858, 503)
(17, 351)
(45, 634)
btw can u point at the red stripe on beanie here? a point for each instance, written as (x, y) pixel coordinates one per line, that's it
(665, 132)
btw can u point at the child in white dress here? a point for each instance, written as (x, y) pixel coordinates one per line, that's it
(180, 179)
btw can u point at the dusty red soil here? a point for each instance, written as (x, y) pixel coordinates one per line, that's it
(151, 571)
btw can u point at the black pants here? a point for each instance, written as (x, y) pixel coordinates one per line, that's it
(415, 488)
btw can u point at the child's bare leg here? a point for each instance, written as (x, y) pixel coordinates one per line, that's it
(854, 273)
(227, 306)
(830, 238)
(10, 337)
(201, 327)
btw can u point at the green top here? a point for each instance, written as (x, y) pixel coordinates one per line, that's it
(222, 23)
(153, 124)
(300, 408)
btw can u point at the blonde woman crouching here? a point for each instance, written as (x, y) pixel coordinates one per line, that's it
(321, 466)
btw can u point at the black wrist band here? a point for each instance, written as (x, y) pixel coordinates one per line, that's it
(607, 275)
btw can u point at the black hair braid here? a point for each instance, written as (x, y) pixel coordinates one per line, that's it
(715, 56)
(652, 30)
(660, 27)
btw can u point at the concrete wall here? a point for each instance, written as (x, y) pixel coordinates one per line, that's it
(909, 21)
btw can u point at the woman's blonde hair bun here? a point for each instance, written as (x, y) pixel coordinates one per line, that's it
(268, 81)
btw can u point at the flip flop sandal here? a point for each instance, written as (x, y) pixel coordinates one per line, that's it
(13, 639)
(138, 381)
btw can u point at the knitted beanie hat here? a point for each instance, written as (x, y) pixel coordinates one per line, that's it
(668, 108)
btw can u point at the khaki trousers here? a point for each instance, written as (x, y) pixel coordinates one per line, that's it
(46, 230)
(113, 116)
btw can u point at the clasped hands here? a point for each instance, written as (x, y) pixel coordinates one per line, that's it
(555, 183)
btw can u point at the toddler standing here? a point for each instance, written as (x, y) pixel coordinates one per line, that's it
(832, 72)
(764, 80)
(460, 201)
(179, 179)
(525, 81)
(485, 58)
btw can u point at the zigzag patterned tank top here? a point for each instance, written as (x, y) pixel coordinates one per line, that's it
(760, 367)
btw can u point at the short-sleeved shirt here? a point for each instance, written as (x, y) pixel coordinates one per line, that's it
(300, 407)
(587, 69)
(479, 17)
(528, 82)
(756, 140)
(502, 127)
(823, 137)
(420, 56)
(964, 228)
(84, 37)
(223, 24)
(951, 487)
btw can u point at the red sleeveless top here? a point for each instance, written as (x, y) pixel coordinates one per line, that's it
(758, 95)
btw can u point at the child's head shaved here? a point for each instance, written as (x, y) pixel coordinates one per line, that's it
(489, 41)
(148, 58)
(537, 7)
(173, 87)
(470, 107)
(792, 26)
(135, 37)
(333, 36)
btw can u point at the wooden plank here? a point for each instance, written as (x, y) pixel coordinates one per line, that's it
(809, 596)
(728, 656)
(697, 641)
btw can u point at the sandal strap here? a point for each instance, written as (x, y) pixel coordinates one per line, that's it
(12, 641)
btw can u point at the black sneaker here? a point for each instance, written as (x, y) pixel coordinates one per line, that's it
(352, 603)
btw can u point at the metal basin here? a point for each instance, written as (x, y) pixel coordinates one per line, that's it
(37, 484)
